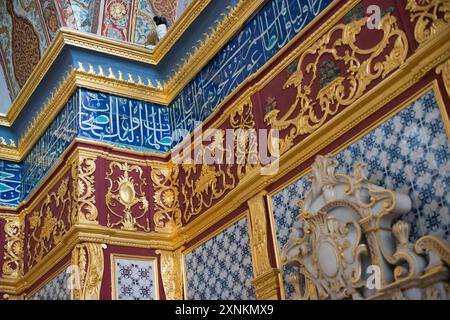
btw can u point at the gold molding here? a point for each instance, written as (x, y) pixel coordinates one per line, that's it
(195, 62)
(115, 256)
(444, 69)
(267, 285)
(13, 248)
(171, 273)
(132, 88)
(258, 234)
(88, 274)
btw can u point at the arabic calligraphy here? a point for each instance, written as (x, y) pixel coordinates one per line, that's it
(278, 22)
(125, 122)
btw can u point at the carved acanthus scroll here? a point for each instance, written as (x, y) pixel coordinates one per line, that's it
(171, 274)
(167, 217)
(310, 111)
(431, 16)
(87, 274)
(84, 209)
(347, 224)
(13, 255)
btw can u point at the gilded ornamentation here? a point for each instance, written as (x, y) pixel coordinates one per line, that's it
(167, 217)
(436, 248)
(346, 223)
(10, 144)
(171, 274)
(363, 67)
(204, 183)
(83, 208)
(49, 222)
(87, 277)
(444, 69)
(129, 194)
(13, 255)
(432, 17)
(267, 285)
(260, 255)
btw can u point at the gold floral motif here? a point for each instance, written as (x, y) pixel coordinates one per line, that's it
(260, 255)
(433, 16)
(204, 183)
(48, 223)
(444, 69)
(246, 146)
(167, 217)
(88, 274)
(128, 193)
(13, 255)
(363, 66)
(84, 209)
(171, 274)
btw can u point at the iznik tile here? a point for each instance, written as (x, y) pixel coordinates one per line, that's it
(278, 22)
(409, 153)
(221, 268)
(57, 289)
(134, 279)
(10, 183)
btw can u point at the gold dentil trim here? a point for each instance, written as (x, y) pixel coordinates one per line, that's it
(96, 78)
(213, 43)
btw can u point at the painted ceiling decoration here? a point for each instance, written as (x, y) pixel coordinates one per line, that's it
(27, 27)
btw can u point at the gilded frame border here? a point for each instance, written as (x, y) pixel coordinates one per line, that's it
(114, 256)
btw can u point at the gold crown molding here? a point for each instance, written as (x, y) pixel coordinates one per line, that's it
(82, 233)
(213, 43)
(162, 93)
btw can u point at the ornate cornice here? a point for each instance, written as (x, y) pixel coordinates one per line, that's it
(114, 81)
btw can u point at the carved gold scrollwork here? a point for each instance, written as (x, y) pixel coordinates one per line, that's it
(258, 221)
(204, 183)
(167, 217)
(246, 146)
(127, 193)
(363, 66)
(48, 224)
(84, 209)
(171, 274)
(444, 69)
(433, 16)
(13, 255)
(346, 221)
(88, 273)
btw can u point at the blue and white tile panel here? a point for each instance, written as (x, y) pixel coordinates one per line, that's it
(221, 268)
(409, 153)
(134, 279)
